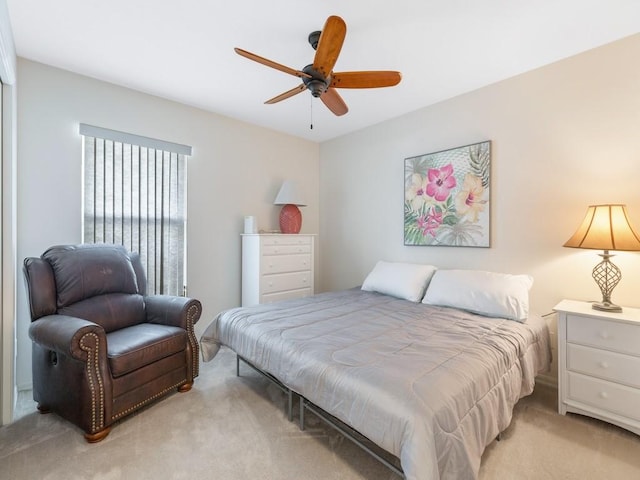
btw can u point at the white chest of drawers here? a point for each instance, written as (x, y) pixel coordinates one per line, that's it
(276, 267)
(599, 363)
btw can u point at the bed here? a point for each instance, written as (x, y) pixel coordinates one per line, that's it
(432, 385)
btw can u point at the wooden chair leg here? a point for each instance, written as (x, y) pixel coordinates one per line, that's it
(185, 388)
(97, 436)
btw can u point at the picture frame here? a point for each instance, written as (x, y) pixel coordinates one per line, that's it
(447, 197)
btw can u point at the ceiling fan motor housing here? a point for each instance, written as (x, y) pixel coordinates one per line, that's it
(317, 84)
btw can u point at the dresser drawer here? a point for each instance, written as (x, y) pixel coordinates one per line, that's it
(285, 263)
(271, 250)
(289, 295)
(608, 396)
(285, 281)
(604, 364)
(286, 240)
(620, 337)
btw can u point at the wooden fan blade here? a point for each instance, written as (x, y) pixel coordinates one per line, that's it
(290, 93)
(329, 45)
(334, 102)
(272, 64)
(374, 79)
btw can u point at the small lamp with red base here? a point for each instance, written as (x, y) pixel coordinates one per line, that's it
(290, 215)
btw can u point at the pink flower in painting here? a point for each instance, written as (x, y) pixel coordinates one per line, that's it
(434, 217)
(441, 181)
(430, 224)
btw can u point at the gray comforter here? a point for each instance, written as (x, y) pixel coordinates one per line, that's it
(431, 385)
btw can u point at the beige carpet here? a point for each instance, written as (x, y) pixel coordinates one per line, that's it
(231, 427)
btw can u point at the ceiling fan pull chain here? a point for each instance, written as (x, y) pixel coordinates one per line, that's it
(311, 111)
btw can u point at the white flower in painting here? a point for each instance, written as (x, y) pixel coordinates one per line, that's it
(416, 193)
(469, 202)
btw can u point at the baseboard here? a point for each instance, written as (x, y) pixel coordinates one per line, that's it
(547, 381)
(25, 386)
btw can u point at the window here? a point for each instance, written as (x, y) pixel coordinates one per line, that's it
(135, 195)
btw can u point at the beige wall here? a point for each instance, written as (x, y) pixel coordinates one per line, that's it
(563, 137)
(236, 170)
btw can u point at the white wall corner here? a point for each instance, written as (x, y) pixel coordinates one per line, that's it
(8, 247)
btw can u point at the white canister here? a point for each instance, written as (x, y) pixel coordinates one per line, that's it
(249, 224)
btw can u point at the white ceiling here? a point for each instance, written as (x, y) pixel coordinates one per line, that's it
(183, 49)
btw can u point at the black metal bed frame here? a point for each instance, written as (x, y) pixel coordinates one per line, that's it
(304, 404)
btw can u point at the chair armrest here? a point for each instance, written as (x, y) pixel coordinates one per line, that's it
(71, 336)
(170, 310)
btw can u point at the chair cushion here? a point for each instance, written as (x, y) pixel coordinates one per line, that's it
(87, 270)
(134, 347)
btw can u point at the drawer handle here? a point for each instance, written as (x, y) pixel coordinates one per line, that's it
(604, 335)
(604, 395)
(604, 365)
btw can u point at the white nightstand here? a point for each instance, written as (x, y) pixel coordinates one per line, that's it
(599, 363)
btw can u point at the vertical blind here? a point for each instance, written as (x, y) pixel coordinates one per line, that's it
(135, 195)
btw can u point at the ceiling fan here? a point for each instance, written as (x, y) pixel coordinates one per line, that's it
(319, 77)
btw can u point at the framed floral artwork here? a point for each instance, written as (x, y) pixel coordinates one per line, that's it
(447, 197)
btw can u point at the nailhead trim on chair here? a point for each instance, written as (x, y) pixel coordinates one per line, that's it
(191, 313)
(97, 411)
(140, 404)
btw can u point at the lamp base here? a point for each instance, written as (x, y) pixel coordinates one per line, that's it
(290, 219)
(607, 275)
(606, 307)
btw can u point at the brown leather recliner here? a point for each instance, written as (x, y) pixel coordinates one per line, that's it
(101, 348)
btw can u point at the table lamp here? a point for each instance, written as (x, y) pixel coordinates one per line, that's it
(606, 227)
(290, 215)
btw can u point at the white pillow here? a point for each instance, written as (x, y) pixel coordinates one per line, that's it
(402, 280)
(486, 293)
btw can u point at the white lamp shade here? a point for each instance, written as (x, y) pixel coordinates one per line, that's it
(605, 227)
(288, 194)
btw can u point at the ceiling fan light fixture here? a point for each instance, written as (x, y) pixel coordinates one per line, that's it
(317, 87)
(316, 83)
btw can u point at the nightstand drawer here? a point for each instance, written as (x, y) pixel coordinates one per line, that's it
(285, 281)
(620, 337)
(607, 396)
(604, 364)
